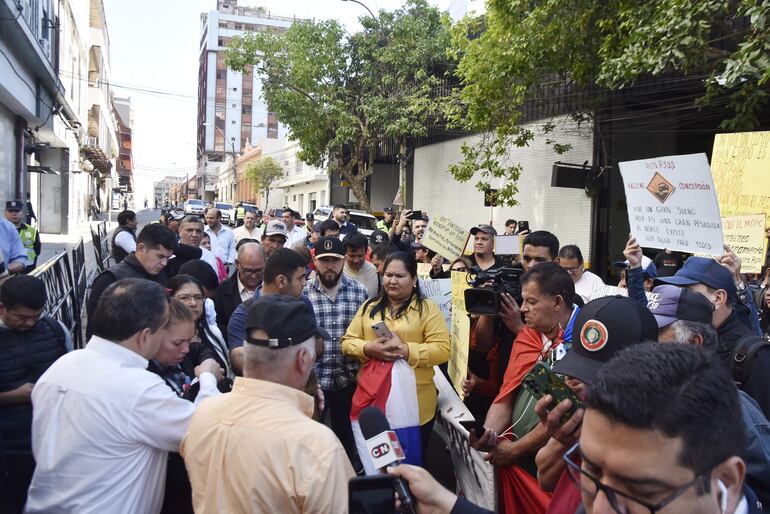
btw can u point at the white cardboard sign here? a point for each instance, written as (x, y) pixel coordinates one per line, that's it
(672, 203)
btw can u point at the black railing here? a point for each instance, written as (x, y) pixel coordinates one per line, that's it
(101, 247)
(65, 281)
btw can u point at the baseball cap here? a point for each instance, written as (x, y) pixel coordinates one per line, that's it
(276, 228)
(487, 229)
(287, 321)
(14, 205)
(706, 271)
(603, 328)
(670, 303)
(329, 247)
(258, 213)
(309, 216)
(378, 237)
(648, 267)
(389, 210)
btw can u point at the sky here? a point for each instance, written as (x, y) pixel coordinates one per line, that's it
(154, 49)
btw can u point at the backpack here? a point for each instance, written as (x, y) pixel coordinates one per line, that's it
(743, 356)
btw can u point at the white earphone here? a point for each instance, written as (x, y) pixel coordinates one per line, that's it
(723, 496)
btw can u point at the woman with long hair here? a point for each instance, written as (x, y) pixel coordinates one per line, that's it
(419, 332)
(207, 340)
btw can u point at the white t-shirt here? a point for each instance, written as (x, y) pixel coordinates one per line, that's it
(367, 276)
(585, 286)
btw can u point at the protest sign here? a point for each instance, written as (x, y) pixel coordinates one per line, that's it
(739, 164)
(445, 237)
(440, 292)
(745, 235)
(672, 203)
(475, 476)
(459, 332)
(601, 290)
(423, 270)
(508, 245)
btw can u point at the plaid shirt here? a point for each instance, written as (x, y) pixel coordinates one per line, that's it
(334, 370)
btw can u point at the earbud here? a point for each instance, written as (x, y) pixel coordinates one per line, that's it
(723, 495)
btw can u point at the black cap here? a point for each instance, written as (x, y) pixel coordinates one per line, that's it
(487, 229)
(329, 247)
(287, 321)
(14, 205)
(603, 328)
(389, 210)
(378, 237)
(309, 216)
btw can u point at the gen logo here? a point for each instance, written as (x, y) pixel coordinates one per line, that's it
(380, 450)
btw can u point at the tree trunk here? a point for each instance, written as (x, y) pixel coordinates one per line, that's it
(267, 194)
(357, 186)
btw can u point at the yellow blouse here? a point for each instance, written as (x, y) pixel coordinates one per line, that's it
(426, 334)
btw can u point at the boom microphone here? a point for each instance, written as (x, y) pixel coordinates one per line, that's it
(384, 449)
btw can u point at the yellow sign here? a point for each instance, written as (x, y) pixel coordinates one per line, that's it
(740, 164)
(460, 332)
(745, 235)
(445, 237)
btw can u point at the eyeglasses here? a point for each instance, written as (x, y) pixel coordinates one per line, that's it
(590, 485)
(256, 271)
(188, 297)
(460, 268)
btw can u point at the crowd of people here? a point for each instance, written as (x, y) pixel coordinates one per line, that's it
(223, 365)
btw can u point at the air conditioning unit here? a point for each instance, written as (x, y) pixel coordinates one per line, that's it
(45, 45)
(92, 141)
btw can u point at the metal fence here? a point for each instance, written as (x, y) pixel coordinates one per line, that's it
(101, 247)
(65, 282)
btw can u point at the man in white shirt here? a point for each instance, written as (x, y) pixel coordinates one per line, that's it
(102, 424)
(190, 232)
(571, 259)
(249, 229)
(296, 235)
(222, 238)
(356, 265)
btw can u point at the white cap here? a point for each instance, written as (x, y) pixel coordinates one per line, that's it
(276, 228)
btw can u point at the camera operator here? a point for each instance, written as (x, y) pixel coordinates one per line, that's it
(484, 248)
(539, 247)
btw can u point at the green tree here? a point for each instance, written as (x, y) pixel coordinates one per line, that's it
(342, 95)
(262, 174)
(520, 49)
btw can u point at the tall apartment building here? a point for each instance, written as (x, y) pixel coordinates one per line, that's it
(231, 110)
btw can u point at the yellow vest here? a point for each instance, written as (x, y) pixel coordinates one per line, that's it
(28, 234)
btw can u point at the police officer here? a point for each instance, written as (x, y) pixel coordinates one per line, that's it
(386, 223)
(240, 213)
(29, 235)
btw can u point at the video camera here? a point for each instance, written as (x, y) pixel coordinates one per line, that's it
(486, 300)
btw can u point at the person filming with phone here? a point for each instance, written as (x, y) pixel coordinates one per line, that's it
(414, 330)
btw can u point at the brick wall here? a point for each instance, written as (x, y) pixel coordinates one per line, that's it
(565, 212)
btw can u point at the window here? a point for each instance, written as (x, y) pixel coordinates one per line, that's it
(220, 74)
(235, 89)
(232, 122)
(235, 106)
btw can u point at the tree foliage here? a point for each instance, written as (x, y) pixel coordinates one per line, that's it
(343, 94)
(510, 55)
(262, 174)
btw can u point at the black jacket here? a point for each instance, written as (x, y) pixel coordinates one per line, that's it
(758, 384)
(226, 300)
(128, 268)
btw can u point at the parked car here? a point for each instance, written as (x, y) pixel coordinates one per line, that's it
(365, 222)
(277, 214)
(228, 212)
(194, 206)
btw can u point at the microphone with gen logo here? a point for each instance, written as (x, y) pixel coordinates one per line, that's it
(384, 449)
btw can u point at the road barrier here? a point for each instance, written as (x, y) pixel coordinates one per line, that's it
(65, 280)
(101, 247)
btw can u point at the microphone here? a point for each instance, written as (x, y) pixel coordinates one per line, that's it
(384, 449)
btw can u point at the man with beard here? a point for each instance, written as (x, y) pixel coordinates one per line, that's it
(336, 298)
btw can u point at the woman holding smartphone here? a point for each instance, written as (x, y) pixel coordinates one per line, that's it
(417, 327)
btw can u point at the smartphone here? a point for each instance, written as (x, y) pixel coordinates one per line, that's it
(374, 494)
(541, 381)
(475, 424)
(415, 215)
(381, 330)
(522, 226)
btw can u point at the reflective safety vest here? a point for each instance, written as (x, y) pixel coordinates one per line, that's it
(240, 212)
(28, 235)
